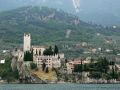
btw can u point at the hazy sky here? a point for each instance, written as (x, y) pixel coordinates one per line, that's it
(99, 4)
(90, 10)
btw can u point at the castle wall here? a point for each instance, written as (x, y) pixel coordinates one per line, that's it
(50, 61)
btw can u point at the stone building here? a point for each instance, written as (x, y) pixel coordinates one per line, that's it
(38, 57)
(50, 61)
(27, 42)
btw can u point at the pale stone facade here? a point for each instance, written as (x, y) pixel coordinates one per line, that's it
(38, 50)
(27, 42)
(20, 55)
(50, 61)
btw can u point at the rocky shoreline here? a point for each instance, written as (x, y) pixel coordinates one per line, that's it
(61, 82)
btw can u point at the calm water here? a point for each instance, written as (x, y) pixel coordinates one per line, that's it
(60, 87)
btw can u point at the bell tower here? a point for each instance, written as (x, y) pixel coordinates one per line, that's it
(27, 42)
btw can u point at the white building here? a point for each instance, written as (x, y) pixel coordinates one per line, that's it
(2, 61)
(27, 42)
(38, 57)
(50, 61)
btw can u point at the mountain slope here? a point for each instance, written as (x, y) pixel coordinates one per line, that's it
(49, 27)
(105, 12)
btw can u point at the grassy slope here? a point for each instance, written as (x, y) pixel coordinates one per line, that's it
(51, 76)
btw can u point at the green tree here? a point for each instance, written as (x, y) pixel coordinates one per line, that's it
(99, 69)
(39, 52)
(95, 74)
(33, 66)
(36, 52)
(66, 60)
(28, 56)
(78, 68)
(48, 51)
(47, 70)
(6, 71)
(56, 51)
(43, 66)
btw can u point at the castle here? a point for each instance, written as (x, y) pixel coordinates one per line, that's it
(38, 56)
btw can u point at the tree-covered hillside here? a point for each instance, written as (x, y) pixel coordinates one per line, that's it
(49, 27)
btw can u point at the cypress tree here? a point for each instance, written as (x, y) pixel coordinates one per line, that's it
(48, 51)
(56, 51)
(43, 66)
(46, 70)
(28, 56)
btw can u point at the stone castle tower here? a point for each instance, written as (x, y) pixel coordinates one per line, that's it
(27, 42)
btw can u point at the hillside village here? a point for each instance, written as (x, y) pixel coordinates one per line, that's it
(37, 56)
(60, 48)
(45, 64)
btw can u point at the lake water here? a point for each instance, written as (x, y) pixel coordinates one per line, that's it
(60, 87)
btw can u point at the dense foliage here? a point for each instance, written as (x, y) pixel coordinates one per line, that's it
(6, 71)
(33, 66)
(28, 56)
(49, 27)
(99, 69)
(56, 51)
(43, 66)
(50, 51)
